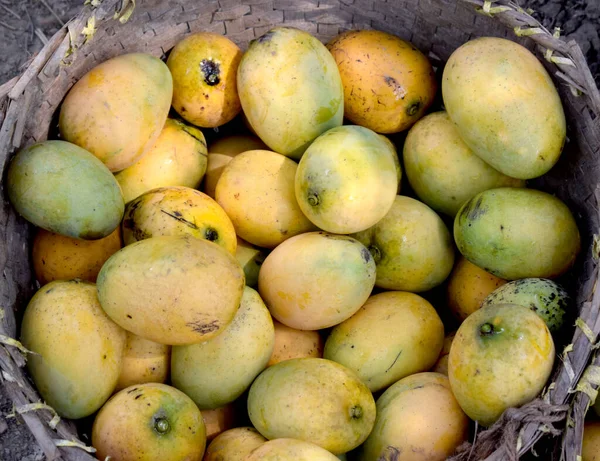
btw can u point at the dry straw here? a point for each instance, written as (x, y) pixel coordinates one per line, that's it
(106, 28)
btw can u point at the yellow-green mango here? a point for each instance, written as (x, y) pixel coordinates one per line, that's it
(314, 400)
(501, 357)
(172, 290)
(64, 189)
(411, 246)
(78, 349)
(177, 158)
(287, 449)
(418, 419)
(505, 106)
(290, 89)
(517, 233)
(251, 259)
(118, 109)
(442, 170)
(347, 179)
(316, 280)
(234, 444)
(178, 211)
(216, 372)
(395, 334)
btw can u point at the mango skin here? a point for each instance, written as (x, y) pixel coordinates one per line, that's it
(216, 372)
(292, 344)
(419, 417)
(127, 426)
(468, 286)
(62, 188)
(590, 450)
(178, 211)
(143, 362)
(218, 420)
(286, 449)
(388, 83)
(307, 98)
(411, 246)
(442, 170)
(172, 290)
(393, 335)
(256, 190)
(517, 233)
(441, 366)
(234, 444)
(314, 400)
(177, 158)
(57, 257)
(250, 258)
(505, 106)
(117, 110)
(78, 348)
(316, 280)
(204, 68)
(220, 154)
(505, 366)
(347, 179)
(545, 297)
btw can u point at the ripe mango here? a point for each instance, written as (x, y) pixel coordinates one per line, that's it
(286, 449)
(117, 110)
(505, 106)
(144, 361)
(234, 444)
(290, 89)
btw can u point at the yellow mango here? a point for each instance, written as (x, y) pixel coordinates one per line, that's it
(144, 361)
(234, 444)
(293, 344)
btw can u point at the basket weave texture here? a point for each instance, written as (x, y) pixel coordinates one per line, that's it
(108, 28)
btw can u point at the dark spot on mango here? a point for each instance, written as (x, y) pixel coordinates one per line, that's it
(177, 215)
(104, 356)
(129, 316)
(48, 291)
(413, 109)
(211, 71)
(204, 328)
(390, 454)
(137, 396)
(132, 390)
(266, 37)
(475, 209)
(356, 412)
(211, 234)
(366, 255)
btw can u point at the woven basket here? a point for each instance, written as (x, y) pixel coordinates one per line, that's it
(108, 28)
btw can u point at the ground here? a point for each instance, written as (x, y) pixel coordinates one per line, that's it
(26, 24)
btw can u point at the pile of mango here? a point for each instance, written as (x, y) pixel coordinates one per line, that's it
(268, 296)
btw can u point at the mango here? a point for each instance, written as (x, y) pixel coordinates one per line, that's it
(546, 298)
(292, 344)
(220, 153)
(78, 349)
(442, 170)
(177, 158)
(418, 419)
(347, 179)
(517, 233)
(388, 83)
(143, 362)
(64, 189)
(505, 106)
(411, 246)
(57, 257)
(590, 450)
(178, 211)
(441, 366)
(468, 286)
(395, 334)
(286, 449)
(316, 280)
(325, 403)
(251, 259)
(149, 422)
(117, 110)
(234, 444)
(290, 89)
(501, 357)
(218, 420)
(172, 290)
(256, 190)
(216, 372)
(204, 67)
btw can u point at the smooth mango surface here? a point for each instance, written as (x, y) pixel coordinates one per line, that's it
(505, 106)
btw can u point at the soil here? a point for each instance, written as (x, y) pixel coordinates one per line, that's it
(26, 24)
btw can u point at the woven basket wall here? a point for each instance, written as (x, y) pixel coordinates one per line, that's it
(437, 27)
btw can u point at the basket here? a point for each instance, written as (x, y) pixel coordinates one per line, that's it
(107, 28)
